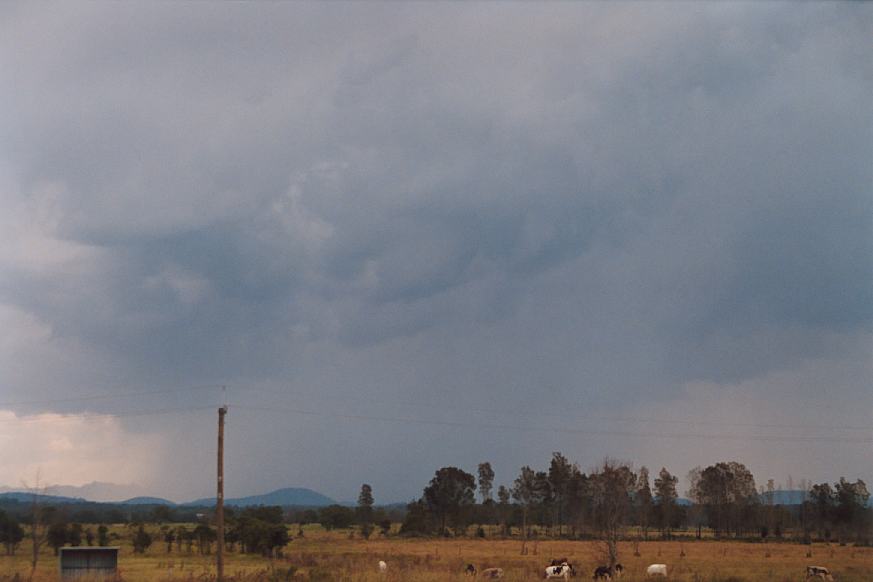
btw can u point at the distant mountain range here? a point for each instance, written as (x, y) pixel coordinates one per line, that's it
(25, 497)
(144, 500)
(93, 491)
(289, 496)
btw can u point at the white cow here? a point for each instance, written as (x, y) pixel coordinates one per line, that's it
(819, 572)
(383, 567)
(563, 571)
(657, 570)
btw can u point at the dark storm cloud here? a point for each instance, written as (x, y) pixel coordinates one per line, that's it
(589, 204)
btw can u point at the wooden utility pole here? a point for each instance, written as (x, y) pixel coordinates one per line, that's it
(219, 499)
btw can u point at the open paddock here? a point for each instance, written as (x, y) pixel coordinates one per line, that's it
(334, 556)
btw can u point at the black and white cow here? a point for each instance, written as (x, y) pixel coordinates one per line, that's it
(564, 571)
(819, 572)
(603, 572)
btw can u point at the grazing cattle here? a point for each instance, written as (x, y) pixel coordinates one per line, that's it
(470, 570)
(559, 562)
(657, 570)
(383, 567)
(564, 571)
(819, 572)
(492, 573)
(619, 570)
(603, 572)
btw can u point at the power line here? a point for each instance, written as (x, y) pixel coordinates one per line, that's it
(527, 412)
(107, 396)
(553, 414)
(597, 432)
(56, 417)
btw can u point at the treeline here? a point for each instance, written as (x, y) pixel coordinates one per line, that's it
(614, 501)
(611, 502)
(251, 530)
(106, 513)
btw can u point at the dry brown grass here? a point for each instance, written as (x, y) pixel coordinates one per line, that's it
(333, 556)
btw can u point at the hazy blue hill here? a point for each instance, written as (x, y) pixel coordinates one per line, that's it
(146, 501)
(296, 496)
(784, 497)
(25, 497)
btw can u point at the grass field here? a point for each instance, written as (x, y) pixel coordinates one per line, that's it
(324, 556)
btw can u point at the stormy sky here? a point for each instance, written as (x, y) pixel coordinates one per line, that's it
(413, 235)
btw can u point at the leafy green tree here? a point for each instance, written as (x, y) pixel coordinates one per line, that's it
(11, 533)
(578, 498)
(416, 521)
(57, 535)
(503, 508)
(309, 516)
(141, 540)
(168, 534)
(486, 481)
(385, 526)
(102, 535)
(364, 512)
(448, 495)
(560, 473)
(260, 532)
(823, 501)
(643, 501)
(544, 498)
(335, 517)
(74, 535)
(184, 535)
(503, 495)
(204, 536)
(665, 500)
(524, 491)
(725, 490)
(851, 501)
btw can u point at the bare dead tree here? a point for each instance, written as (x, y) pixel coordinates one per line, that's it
(613, 485)
(38, 529)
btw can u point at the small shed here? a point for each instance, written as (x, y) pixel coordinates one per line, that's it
(88, 561)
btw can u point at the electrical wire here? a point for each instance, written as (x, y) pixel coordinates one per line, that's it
(601, 418)
(56, 417)
(106, 396)
(528, 428)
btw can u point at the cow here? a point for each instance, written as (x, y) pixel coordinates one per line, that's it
(492, 573)
(819, 572)
(619, 570)
(470, 570)
(656, 570)
(602, 573)
(564, 571)
(559, 562)
(383, 567)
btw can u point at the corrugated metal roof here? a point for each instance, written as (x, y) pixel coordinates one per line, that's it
(91, 561)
